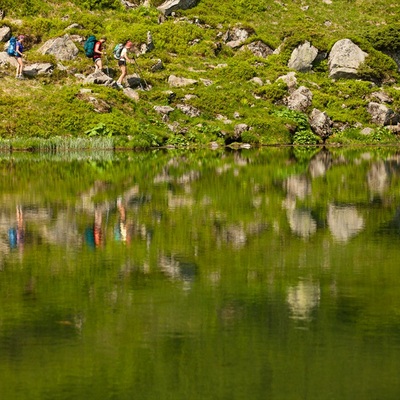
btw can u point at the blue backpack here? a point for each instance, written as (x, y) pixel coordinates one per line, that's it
(89, 46)
(12, 47)
(118, 50)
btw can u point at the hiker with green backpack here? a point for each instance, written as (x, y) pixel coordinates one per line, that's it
(94, 50)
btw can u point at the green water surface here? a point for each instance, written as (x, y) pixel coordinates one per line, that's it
(255, 274)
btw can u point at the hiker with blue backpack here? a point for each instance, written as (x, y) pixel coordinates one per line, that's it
(15, 49)
(121, 54)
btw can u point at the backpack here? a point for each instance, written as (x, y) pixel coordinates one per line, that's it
(89, 46)
(117, 51)
(12, 47)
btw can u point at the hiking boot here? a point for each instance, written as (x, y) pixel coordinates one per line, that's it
(119, 85)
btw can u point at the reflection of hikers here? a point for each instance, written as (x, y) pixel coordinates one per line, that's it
(94, 235)
(123, 60)
(19, 49)
(16, 235)
(98, 52)
(121, 232)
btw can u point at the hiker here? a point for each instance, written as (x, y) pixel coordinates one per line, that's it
(19, 49)
(123, 60)
(98, 52)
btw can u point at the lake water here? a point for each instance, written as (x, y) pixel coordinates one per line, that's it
(254, 274)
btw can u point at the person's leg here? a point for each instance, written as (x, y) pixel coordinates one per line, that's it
(123, 74)
(20, 67)
(98, 64)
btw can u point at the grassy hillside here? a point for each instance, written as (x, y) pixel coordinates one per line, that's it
(52, 107)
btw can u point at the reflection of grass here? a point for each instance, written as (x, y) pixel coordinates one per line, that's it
(56, 144)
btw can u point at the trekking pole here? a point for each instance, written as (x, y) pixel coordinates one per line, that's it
(108, 72)
(139, 72)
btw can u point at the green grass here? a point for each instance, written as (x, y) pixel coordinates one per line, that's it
(51, 107)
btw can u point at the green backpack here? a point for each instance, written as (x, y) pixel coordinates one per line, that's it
(89, 46)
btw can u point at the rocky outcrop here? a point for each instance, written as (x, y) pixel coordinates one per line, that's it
(382, 115)
(62, 48)
(258, 49)
(33, 70)
(303, 57)
(344, 59)
(235, 37)
(320, 124)
(99, 78)
(5, 59)
(5, 33)
(300, 99)
(176, 81)
(173, 5)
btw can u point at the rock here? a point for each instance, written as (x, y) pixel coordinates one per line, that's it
(73, 26)
(303, 57)
(206, 82)
(257, 81)
(382, 97)
(344, 59)
(149, 45)
(382, 115)
(175, 81)
(238, 131)
(5, 59)
(131, 93)
(99, 105)
(299, 100)
(189, 110)
(135, 81)
(127, 4)
(168, 7)
(38, 69)
(235, 37)
(320, 124)
(367, 131)
(290, 80)
(99, 78)
(164, 110)
(158, 66)
(62, 48)
(5, 33)
(258, 49)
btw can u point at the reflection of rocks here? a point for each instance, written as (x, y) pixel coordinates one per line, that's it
(178, 270)
(378, 177)
(344, 222)
(320, 164)
(303, 299)
(298, 186)
(300, 221)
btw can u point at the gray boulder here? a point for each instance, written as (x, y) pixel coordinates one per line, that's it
(98, 78)
(303, 57)
(62, 48)
(300, 99)
(189, 110)
(382, 115)
(258, 49)
(5, 59)
(135, 81)
(344, 59)
(176, 81)
(38, 69)
(320, 124)
(172, 5)
(235, 37)
(5, 33)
